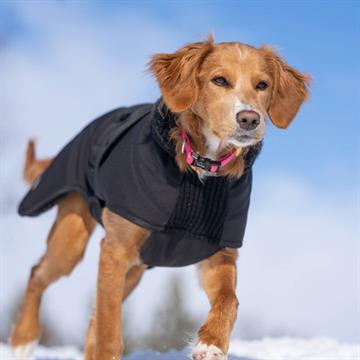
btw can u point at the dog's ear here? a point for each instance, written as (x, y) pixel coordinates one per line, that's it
(289, 89)
(177, 73)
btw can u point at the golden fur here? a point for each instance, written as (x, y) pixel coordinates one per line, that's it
(185, 80)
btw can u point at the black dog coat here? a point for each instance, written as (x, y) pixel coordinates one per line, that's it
(125, 161)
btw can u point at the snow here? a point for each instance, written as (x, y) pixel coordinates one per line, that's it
(42, 353)
(295, 349)
(265, 349)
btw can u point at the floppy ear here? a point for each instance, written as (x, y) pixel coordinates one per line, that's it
(289, 89)
(177, 73)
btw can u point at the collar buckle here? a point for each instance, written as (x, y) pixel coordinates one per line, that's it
(195, 159)
(205, 163)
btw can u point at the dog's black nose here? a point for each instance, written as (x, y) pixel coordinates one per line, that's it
(248, 120)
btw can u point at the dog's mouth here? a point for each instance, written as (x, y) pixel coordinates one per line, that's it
(243, 140)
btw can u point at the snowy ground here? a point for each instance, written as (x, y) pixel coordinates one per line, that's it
(266, 349)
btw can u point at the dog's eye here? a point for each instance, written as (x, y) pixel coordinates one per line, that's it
(262, 85)
(220, 81)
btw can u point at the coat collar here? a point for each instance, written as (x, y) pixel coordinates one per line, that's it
(163, 120)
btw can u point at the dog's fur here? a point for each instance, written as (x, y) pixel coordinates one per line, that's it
(208, 112)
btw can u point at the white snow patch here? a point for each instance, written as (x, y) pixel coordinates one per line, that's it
(266, 349)
(295, 349)
(22, 352)
(54, 353)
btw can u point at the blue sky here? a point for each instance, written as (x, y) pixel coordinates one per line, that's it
(64, 62)
(317, 37)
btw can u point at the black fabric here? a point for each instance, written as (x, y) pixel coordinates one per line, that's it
(251, 153)
(125, 161)
(201, 207)
(161, 123)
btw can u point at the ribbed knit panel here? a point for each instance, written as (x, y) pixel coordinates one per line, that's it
(201, 208)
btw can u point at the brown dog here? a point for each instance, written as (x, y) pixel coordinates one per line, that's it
(221, 94)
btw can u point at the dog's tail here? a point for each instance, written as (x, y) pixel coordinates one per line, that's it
(33, 168)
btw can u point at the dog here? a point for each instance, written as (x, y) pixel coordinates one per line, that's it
(170, 182)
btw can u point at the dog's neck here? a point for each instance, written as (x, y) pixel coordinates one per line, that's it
(203, 142)
(167, 131)
(213, 144)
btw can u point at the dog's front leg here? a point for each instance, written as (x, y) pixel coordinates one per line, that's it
(218, 277)
(119, 251)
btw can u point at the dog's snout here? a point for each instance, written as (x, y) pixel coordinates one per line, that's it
(248, 120)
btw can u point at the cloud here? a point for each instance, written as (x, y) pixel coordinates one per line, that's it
(298, 266)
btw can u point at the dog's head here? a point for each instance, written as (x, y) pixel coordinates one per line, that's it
(231, 87)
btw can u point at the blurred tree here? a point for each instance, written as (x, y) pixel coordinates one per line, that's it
(172, 324)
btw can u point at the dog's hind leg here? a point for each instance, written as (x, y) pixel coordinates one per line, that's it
(133, 278)
(218, 278)
(66, 244)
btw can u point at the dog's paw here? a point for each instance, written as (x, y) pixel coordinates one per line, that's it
(23, 352)
(207, 352)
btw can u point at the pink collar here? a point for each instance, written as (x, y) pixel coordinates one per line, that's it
(195, 159)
